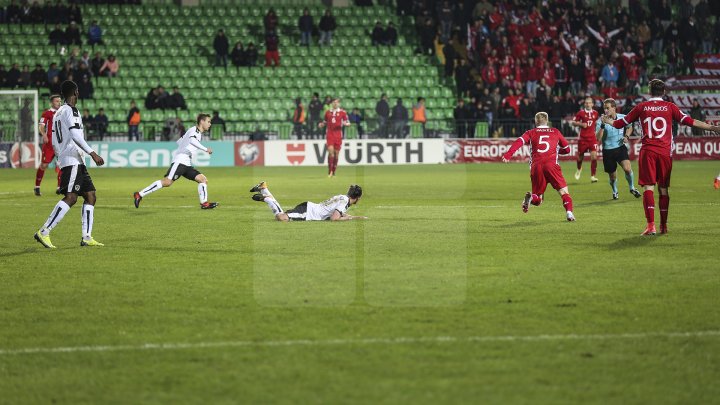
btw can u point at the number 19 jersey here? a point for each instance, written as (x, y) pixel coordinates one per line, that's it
(656, 118)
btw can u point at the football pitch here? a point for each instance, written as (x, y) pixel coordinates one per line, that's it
(447, 294)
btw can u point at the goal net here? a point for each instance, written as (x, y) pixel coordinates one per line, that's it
(19, 137)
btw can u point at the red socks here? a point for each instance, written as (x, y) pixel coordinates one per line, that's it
(535, 200)
(649, 205)
(579, 164)
(664, 204)
(330, 164)
(593, 167)
(567, 202)
(39, 176)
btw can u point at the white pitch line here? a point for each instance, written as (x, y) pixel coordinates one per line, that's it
(360, 341)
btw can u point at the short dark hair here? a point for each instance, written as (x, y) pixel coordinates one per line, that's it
(202, 116)
(354, 191)
(68, 88)
(53, 97)
(657, 87)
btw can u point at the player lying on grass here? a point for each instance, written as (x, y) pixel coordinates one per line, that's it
(333, 209)
(545, 144)
(614, 150)
(182, 164)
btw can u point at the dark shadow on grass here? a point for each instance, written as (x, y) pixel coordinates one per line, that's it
(631, 242)
(19, 253)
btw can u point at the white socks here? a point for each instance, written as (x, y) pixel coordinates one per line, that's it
(202, 192)
(155, 186)
(55, 217)
(271, 202)
(88, 218)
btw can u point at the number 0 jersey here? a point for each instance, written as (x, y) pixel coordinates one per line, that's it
(656, 118)
(68, 139)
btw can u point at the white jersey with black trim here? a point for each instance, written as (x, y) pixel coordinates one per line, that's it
(68, 138)
(324, 210)
(187, 144)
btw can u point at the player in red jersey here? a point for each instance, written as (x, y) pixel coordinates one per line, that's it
(48, 153)
(655, 161)
(586, 120)
(545, 144)
(335, 119)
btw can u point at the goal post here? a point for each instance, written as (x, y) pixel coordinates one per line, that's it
(19, 128)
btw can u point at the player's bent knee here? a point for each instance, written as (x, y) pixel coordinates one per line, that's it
(200, 178)
(166, 182)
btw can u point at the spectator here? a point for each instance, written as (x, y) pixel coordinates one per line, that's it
(697, 113)
(101, 124)
(88, 123)
(237, 56)
(95, 34)
(133, 120)
(110, 67)
(327, 27)
(12, 80)
(53, 71)
(96, 64)
(72, 34)
(216, 120)
(85, 87)
(270, 21)
(38, 77)
(356, 118)
(419, 114)
(445, 16)
(13, 13)
(25, 80)
(315, 108)
(85, 58)
(221, 46)
(3, 76)
(35, 14)
(377, 36)
(176, 100)
(399, 119)
(272, 53)
(74, 59)
(382, 109)
(173, 129)
(299, 118)
(57, 36)
(251, 54)
(577, 76)
(55, 85)
(390, 36)
(450, 57)
(306, 25)
(460, 114)
(462, 78)
(74, 13)
(427, 33)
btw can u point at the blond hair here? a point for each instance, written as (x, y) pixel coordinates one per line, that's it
(541, 118)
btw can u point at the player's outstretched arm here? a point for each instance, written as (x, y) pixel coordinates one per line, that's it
(515, 146)
(707, 127)
(337, 216)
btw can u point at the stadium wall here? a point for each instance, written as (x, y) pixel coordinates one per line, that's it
(314, 153)
(491, 150)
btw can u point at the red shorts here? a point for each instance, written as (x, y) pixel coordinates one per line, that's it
(543, 173)
(334, 140)
(48, 153)
(587, 146)
(654, 169)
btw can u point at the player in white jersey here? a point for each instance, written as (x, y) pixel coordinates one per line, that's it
(69, 144)
(333, 209)
(182, 164)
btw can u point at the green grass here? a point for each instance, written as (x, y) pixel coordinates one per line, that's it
(448, 294)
